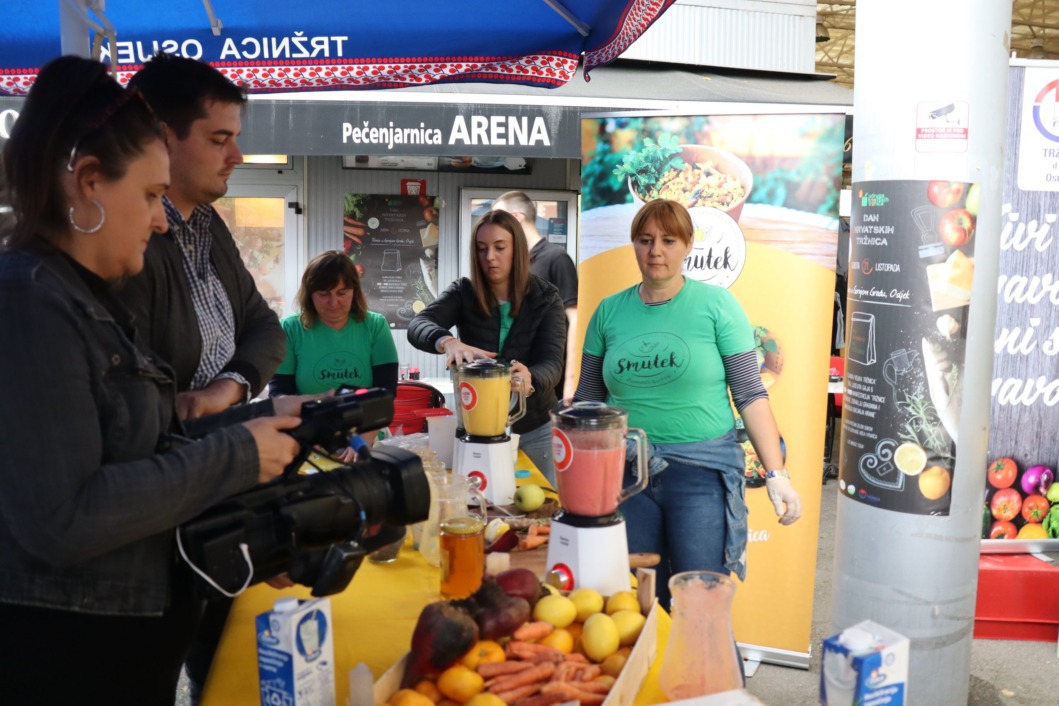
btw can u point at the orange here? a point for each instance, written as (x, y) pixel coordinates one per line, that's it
(1032, 530)
(613, 665)
(934, 482)
(560, 639)
(429, 689)
(485, 700)
(460, 683)
(409, 697)
(483, 652)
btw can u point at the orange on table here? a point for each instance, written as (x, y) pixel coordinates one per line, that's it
(409, 697)
(460, 683)
(483, 652)
(485, 700)
(429, 689)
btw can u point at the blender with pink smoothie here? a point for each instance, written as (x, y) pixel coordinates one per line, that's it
(588, 547)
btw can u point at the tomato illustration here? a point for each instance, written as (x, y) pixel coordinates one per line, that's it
(1003, 530)
(1006, 504)
(1034, 508)
(1002, 472)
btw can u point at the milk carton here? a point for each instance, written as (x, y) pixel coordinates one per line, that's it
(295, 653)
(866, 665)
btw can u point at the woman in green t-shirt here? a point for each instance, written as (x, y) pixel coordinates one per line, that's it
(335, 340)
(670, 350)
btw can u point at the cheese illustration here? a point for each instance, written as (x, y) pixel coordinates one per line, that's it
(950, 281)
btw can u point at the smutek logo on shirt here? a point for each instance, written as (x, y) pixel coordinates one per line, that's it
(338, 367)
(650, 360)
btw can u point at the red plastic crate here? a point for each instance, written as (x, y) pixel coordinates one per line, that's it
(1018, 598)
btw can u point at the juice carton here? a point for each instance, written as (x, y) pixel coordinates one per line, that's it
(295, 653)
(866, 664)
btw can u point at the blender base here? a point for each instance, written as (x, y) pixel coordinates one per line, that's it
(490, 462)
(595, 557)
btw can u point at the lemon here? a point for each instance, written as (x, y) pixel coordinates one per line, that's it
(418, 306)
(622, 600)
(551, 589)
(910, 458)
(560, 639)
(560, 611)
(588, 602)
(496, 528)
(600, 638)
(630, 623)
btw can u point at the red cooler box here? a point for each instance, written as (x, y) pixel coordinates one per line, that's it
(1018, 598)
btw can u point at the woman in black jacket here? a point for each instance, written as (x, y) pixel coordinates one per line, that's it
(503, 312)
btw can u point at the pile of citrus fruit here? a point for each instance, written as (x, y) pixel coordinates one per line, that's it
(573, 649)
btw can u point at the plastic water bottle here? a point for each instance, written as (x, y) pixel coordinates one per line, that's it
(361, 686)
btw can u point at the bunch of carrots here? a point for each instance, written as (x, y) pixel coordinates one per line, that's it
(536, 536)
(539, 675)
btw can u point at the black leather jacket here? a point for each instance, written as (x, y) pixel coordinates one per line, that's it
(537, 337)
(88, 506)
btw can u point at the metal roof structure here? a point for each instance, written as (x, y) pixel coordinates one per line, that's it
(1034, 34)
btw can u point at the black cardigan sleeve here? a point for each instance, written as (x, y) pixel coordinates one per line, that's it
(435, 321)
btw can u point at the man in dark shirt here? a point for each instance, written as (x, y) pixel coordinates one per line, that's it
(551, 262)
(196, 304)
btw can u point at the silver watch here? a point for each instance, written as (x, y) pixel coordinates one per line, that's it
(781, 473)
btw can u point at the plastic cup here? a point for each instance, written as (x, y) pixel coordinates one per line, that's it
(441, 432)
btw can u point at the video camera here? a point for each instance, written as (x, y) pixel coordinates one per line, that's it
(318, 527)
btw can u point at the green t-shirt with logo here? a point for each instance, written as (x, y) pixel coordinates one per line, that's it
(321, 358)
(662, 363)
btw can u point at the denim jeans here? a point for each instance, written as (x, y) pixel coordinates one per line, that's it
(681, 517)
(537, 444)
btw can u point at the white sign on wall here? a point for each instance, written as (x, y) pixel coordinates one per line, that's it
(1038, 153)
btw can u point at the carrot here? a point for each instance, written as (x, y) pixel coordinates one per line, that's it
(541, 700)
(497, 669)
(572, 693)
(539, 530)
(533, 675)
(589, 672)
(513, 695)
(531, 542)
(533, 631)
(591, 687)
(523, 649)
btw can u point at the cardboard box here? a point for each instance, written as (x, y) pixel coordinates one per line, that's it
(866, 664)
(623, 693)
(295, 653)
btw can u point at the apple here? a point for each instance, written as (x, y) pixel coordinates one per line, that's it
(956, 227)
(945, 194)
(529, 497)
(972, 200)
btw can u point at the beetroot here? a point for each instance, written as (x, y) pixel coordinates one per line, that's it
(497, 613)
(443, 634)
(521, 583)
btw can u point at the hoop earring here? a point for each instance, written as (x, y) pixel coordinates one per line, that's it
(95, 229)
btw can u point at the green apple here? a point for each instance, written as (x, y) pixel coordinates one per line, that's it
(529, 497)
(972, 200)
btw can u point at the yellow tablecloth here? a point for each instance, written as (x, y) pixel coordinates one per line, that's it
(373, 622)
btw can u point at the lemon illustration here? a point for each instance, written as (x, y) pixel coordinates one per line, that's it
(910, 458)
(418, 306)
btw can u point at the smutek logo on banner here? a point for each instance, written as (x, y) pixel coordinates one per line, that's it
(719, 251)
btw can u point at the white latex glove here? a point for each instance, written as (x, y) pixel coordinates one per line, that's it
(785, 500)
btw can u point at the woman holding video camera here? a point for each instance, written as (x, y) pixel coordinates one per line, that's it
(503, 311)
(96, 471)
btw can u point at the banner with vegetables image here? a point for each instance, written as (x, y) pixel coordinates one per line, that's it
(1020, 512)
(763, 194)
(393, 242)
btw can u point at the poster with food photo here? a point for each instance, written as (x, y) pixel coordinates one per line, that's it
(393, 241)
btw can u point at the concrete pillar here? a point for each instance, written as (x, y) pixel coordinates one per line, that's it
(917, 573)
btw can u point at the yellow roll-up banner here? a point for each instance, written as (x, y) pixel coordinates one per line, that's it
(763, 191)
